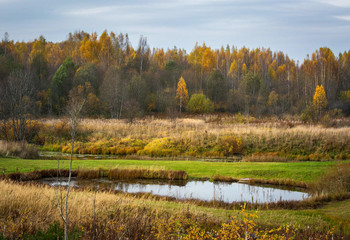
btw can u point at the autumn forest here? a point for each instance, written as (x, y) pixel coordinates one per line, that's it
(122, 80)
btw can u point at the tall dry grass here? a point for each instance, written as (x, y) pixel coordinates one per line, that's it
(115, 216)
(18, 149)
(334, 182)
(25, 208)
(202, 138)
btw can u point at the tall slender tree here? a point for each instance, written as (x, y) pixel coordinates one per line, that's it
(182, 93)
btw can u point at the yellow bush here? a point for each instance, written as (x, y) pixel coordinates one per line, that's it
(230, 145)
(241, 226)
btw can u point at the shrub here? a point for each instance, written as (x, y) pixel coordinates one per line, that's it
(199, 103)
(230, 145)
(161, 147)
(335, 181)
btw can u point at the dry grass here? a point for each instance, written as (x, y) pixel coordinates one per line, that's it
(115, 215)
(127, 174)
(335, 182)
(25, 208)
(115, 174)
(202, 138)
(18, 149)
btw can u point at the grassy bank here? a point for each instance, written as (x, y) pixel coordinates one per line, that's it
(296, 171)
(26, 208)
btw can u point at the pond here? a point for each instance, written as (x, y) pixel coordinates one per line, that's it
(201, 190)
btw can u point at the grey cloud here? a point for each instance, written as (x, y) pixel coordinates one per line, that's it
(296, 27)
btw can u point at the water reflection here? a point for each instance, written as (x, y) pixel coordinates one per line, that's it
(202, 190)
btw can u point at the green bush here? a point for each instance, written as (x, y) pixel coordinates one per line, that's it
(199, 103)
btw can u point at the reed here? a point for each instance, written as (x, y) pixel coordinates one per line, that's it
(18, 149)
(114, 174)
(91, 173)
(35, 175)
(128, 174)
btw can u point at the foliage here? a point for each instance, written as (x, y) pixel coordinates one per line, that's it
(160, 148)
(182, 93)
(217, 88)
(241, 226)
(119, 73)
(62, 83)
(319, 100)
(230, 145)
(87, 73)
(199, 103)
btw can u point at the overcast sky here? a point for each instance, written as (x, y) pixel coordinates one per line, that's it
(296, 27)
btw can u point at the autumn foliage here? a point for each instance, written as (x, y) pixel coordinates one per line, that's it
(129, 81)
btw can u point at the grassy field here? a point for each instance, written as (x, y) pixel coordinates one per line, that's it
(196, 137)
(297, 171)
(275, 152)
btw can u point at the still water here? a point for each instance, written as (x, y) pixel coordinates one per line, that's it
(202, 190)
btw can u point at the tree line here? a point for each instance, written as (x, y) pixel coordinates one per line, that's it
(120, 80)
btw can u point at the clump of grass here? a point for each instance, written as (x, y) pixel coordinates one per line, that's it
(18, 149)
(219, 178)
(90, 173)
(335, 182)
(128, 174)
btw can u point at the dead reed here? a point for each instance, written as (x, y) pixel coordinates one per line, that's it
(18, 149)
(114, 174)
(128, 174)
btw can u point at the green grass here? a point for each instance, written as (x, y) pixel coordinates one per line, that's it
(333, 214)
(298, 171)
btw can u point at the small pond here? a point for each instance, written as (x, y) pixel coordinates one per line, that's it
(201, 190)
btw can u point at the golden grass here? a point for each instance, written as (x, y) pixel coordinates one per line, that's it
(25, 208)
(159, 128)
(193, 137)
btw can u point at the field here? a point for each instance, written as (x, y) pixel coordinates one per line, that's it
(205, 147)
(296, 171)
(201, 137)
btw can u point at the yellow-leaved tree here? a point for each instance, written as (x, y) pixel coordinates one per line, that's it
(319, 100)
(182, 93)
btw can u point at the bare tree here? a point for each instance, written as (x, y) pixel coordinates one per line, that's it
(17, 103)
(75, 106)
(142, 50)
(6, 40)
(113, 88)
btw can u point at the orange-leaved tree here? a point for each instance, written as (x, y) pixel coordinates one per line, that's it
(319, 100)
(182, 93)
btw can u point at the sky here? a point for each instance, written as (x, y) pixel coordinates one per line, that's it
(296, 27)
